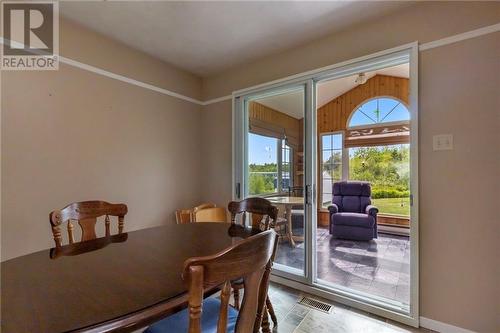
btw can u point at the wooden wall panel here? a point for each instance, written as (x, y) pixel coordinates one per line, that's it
(268, 115)
(324, 220)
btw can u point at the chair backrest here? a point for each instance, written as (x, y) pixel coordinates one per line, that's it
(204, 206)
(187, 215)
(250, 259)
(86, 214)
(183, 216)
(296, 191)
(256, 206)
(352, 196)
(215, 214)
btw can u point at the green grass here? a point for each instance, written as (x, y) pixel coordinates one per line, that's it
(396, 206)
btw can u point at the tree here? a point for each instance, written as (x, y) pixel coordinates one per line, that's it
(386, 168)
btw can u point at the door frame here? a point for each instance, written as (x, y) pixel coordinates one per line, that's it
(240, 157)
(407, 53)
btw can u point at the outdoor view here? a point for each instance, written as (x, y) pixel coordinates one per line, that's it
(387, 168)
(263, 169)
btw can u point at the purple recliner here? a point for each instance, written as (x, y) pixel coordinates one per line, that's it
(351, 215)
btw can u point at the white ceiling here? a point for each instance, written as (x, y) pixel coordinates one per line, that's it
(292, 103)
(208, 37)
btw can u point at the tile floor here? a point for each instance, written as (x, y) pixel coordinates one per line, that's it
(293, 317)
(379, 267)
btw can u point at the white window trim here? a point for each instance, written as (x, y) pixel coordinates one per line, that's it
(345, 163)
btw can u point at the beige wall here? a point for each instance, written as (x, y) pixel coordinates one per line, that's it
(92, 48)
(216, 153)
(458, 189)
(459, 247)
(72, 135)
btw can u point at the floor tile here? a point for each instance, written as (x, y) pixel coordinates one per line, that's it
(342, 319)
(380, 266)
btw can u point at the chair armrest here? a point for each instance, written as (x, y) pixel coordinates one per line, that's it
(371, 210)
(333, 209)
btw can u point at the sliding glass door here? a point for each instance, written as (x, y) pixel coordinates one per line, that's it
(274, 123)
(297, 142)
(369, 147)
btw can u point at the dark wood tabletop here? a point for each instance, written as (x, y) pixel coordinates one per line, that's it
(117, 284)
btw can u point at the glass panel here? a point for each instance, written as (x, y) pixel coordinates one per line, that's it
(359, 118)
(331, 165)
(337, 141)
(399, 113)
(327, 156)
(262, 164)
(327, 198)
(375, 264)
(327, 142)
(379, 110)
(276, 171)
(386, 105)
(387, 168)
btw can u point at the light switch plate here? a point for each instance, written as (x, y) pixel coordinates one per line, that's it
(442, 142)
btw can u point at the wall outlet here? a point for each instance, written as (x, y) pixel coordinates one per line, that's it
(442, 142)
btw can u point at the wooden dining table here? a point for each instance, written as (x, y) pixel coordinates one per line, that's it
(115, 284)
(289, 202)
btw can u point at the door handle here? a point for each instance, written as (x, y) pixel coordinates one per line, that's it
(237, 190)
(308, 195)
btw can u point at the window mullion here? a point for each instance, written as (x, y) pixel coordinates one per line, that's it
(280, 166)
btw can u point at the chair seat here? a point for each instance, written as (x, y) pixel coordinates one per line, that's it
(179, 322)
(353, 220)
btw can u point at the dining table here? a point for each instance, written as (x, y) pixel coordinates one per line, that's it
(288, 203)
(119, 283)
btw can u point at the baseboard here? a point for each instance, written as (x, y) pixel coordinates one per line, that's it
(393, 230)
(441, 327)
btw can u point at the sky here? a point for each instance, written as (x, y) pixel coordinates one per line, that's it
(262, 149)
(389, 110)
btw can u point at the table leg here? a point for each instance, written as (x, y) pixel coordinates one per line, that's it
(289, 221)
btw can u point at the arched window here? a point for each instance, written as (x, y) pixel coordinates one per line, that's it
(379, 110)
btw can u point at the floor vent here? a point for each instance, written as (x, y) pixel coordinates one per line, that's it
(317, 305)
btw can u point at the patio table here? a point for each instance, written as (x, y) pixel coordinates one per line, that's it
(288, 203)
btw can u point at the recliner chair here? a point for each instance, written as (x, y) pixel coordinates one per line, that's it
(351, 214)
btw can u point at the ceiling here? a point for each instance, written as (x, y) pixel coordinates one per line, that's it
(209, 37)
(292, 103)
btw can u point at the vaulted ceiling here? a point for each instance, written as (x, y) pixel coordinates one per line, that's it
(209, 37)
(292, 103)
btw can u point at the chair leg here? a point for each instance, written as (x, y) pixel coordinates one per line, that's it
(270, 309)
(266, 327)
(236, 293)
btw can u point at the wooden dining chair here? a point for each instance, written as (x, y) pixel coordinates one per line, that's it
(265, 217)
(266, 214)
(187, 215)
(183, 216)
(204, 206)
(215, 214)
(251, 260)
(86, 214)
